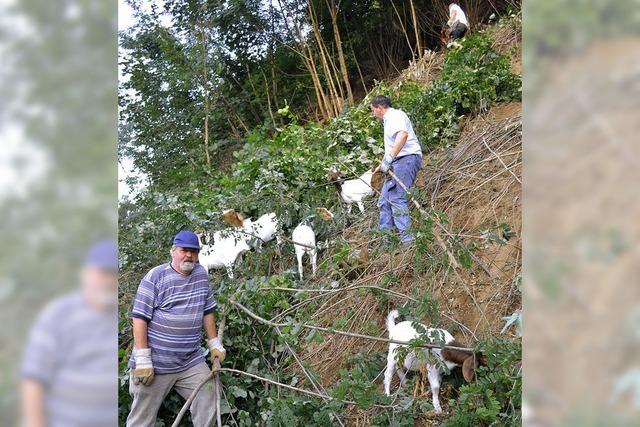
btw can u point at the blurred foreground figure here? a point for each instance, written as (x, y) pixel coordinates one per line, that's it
(69, 371)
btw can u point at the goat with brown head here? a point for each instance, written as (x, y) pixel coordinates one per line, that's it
(404, 331)
(468, 360)
(353, 190)
(335, 177)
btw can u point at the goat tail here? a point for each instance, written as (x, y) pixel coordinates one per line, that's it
(391, 320)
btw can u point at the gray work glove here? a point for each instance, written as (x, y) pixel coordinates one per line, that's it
(143, 372)
(216, 349)
(386, 163)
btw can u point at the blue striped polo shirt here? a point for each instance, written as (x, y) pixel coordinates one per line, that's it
(174, 305)
(70, 351)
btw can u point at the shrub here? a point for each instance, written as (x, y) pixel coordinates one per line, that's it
(474, 77)
(495, 397)
(283, 170)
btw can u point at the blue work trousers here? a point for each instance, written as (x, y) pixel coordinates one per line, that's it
(393, 202)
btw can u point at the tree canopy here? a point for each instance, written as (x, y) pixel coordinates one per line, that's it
(200, 75)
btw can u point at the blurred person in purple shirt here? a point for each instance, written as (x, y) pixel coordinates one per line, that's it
(69, 370)
(173, 304)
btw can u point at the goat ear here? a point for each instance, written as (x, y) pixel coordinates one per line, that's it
(469, 368)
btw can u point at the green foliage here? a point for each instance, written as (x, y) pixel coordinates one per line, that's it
(357, 383)
(494, 399)
(281, 168)
(426, 309)
(474, 77)
(292, 410)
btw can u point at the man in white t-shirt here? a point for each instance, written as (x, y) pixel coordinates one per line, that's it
(402, 151)
(458, 23)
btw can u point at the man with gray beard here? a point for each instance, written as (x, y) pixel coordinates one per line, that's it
(69, 371)
(173, 303)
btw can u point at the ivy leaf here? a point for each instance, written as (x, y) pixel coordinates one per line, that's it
(238, 392)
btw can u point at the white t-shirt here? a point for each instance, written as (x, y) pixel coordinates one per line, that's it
(394, 122)
(460, 16)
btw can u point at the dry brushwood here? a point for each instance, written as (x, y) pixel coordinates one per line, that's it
(475, 185)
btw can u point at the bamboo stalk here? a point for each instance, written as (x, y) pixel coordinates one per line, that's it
(416, 30)
(324, 62)
(205, 89)
(333, 9)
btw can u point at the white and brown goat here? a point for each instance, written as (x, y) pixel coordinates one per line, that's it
(304, 242)
(404, 331)
(352, 190)
(263, 230)
(222, 250)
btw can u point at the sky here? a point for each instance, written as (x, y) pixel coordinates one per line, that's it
(125, 164)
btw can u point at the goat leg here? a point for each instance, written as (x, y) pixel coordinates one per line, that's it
(434, 381)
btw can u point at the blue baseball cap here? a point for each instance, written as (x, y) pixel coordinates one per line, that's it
(186, 239)
(103, 255)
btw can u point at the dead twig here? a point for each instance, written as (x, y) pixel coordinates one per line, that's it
(484, 141)
(338, 332)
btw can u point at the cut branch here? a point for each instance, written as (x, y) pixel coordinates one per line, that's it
(338, 332)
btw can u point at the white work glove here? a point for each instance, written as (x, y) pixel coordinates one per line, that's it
(386, 163)
(143, 372)
(216, 349)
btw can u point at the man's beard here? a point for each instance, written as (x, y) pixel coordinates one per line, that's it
(187, 266)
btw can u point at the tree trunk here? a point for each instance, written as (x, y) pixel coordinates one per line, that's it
(404, 30)
(323, 101)
(355, 58)
(336, 35)
(307, 58)
(266, 88)
(323, 60)
(205, 88)
(416, 29)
